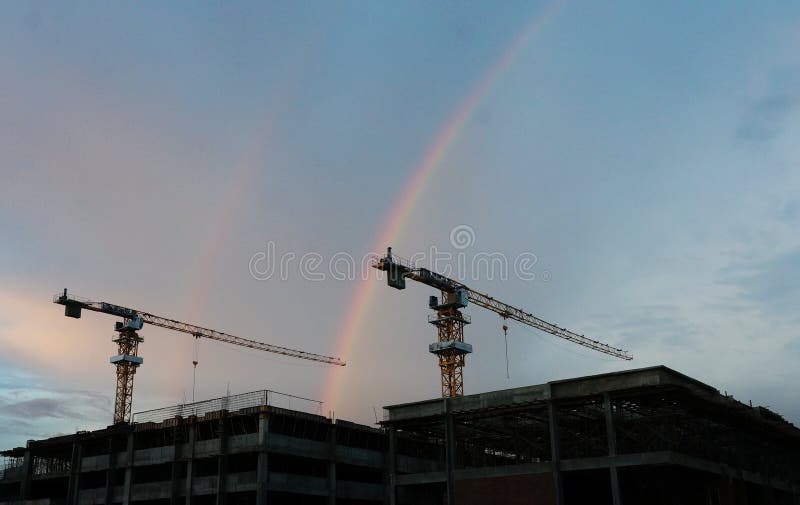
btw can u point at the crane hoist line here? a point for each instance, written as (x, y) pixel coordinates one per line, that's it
(127, 359)
(450, 321)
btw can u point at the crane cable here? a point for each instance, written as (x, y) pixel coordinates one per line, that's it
(505, 337)
(195, 360)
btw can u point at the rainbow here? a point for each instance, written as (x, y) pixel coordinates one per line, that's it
(233, 197)
(422, 173)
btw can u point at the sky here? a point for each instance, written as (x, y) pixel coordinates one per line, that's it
(633, 164)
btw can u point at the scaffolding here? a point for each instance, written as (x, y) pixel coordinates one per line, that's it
(593, 432)
(230, 403)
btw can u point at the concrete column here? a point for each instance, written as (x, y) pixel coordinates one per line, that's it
(391, 465)
(126, 490)
(555, 451)
(190, 461)
(332, 465)
(73, 494)
(611, 435)
(262, 474)
(27, 473)
(450, 452)
(222, 463)
(769, 492)
(110, 473)
(178, 458)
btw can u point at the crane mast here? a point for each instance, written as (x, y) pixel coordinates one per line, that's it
(128, 360)
(450, 347)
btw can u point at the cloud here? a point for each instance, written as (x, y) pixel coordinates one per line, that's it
(36, 408)
(661, 324)
(767, 117)
(790, 211)
(39, 414)
(31, 409)
(764, 121)
(35, 336)
(770, 284)
(31, 405)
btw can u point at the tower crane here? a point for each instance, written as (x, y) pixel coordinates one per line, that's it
(450, 347)
(128, 360)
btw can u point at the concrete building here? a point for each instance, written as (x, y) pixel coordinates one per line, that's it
(648, 436)
(234, 450)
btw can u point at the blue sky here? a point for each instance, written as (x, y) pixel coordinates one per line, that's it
(645, 152)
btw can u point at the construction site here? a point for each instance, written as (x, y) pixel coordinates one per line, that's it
(648, 435)
(271, 252)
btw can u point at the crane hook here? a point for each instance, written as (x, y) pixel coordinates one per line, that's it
(505, 337)
(194, 363)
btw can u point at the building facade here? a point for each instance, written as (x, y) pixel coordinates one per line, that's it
(246, 453)
(648, 436)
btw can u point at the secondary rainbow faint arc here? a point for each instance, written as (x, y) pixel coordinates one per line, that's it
(233, 197)
(397, 218)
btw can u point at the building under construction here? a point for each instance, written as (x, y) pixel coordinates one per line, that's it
(647, 436)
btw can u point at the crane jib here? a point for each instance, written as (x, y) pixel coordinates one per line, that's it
(400, 269)
(73, 305)
(127, 360)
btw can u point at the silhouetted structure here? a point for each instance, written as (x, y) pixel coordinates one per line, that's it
(648, 436)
